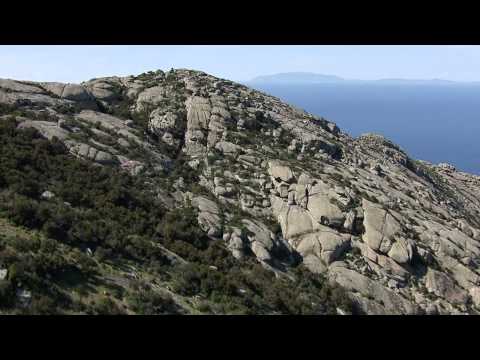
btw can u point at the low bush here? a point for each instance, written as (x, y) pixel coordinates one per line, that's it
(145, 301)
(118, 217)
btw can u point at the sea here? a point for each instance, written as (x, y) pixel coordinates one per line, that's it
(436, 123)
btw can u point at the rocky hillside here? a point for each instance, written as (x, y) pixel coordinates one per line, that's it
(289, 201)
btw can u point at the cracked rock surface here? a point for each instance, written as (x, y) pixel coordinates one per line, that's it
(401, 235)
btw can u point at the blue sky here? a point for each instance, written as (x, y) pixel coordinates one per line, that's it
(240, 63)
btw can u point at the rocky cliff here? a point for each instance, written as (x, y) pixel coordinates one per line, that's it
(271, 181)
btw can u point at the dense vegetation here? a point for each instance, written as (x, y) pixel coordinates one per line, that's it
(99, 217)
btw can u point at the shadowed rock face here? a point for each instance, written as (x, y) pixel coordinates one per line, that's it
(402, 236)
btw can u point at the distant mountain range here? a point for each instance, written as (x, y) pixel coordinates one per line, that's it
(297, 77)
(313, 78)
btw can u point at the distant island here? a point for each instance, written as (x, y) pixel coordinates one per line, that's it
(313, 78)
(297, 77)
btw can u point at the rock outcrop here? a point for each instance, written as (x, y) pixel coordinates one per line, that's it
(276, 183)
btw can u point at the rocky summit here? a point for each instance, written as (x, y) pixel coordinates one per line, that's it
(273, 186)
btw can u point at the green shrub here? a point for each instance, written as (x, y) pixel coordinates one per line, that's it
(118, 216)
(106, 306)
(23, 211)
(6, 293)
(42, 305)
(182, 224)
(145, 301)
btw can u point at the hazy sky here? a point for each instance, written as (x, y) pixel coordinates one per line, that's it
(240, 63)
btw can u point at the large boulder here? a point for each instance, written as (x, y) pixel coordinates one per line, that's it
(323, 208)
(228, 148)
(76, 93)
(326, 243)
(313, 263)
(198, 112)
(106, 89)
(160, 122)
(381, 264)
(442, 285)
(3, 274)
(151, 96)
(54, 87)
(475, 295)
(47, 129)
(167, 126)
(259, 233)
(333, 244)
(295, 221)
(462, 274)
(208, 215)
(28, 96)
(401, 251)
(280, 172)
(380, 227)
(198, 117)
(17, 86)
(73, 92)
(89, 152)
(109, 122)
(386, 299)
(235, 243)
(459, 243)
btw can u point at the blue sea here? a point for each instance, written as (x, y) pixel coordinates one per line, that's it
(437, 123)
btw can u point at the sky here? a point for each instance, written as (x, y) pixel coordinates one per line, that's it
(74, 64)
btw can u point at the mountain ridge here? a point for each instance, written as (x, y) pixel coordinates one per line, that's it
(315, 78)
(232, 201)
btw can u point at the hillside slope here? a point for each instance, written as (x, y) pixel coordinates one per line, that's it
(226, 196)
